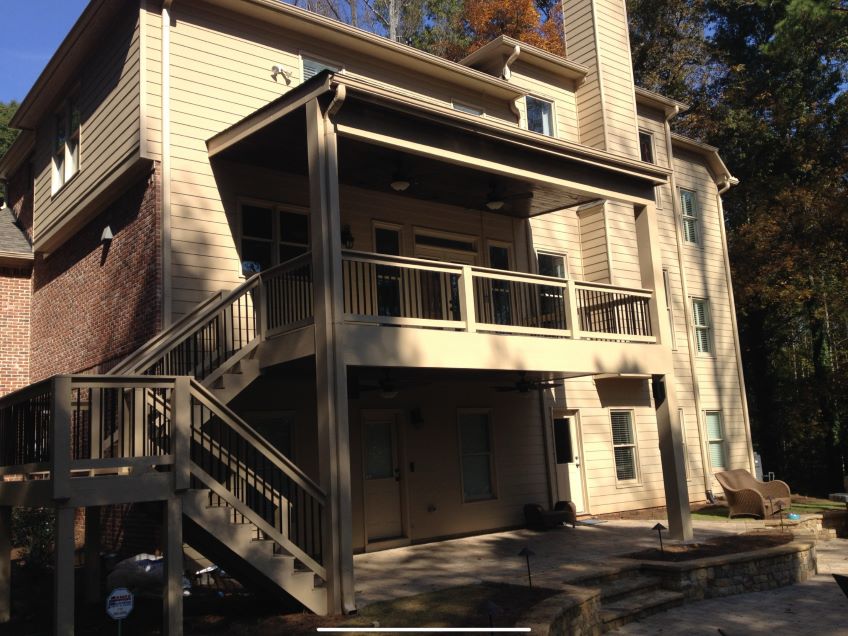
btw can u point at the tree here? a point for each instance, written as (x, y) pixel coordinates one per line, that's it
(7, 134)
(521, 19)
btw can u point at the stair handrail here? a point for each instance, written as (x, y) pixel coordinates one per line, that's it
(158, 346)
(271, 453)
(129, 364)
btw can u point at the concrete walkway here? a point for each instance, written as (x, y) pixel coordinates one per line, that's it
(560, 555)
(815, 607)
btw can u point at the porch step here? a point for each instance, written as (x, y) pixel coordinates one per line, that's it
(627, 609)
(236, 379)
(627, 586)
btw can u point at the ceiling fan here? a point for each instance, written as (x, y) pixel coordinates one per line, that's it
(386, 385)
(525, 385)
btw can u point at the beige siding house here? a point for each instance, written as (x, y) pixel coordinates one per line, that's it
(392, 298)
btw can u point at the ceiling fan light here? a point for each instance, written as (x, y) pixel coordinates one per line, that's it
(388, 394)
(399, 185)
(494, 204)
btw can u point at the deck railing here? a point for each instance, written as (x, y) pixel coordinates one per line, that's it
(415, 292)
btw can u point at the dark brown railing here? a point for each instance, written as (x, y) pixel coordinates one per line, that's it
(249, 474)
(607, 310)
(25, 419)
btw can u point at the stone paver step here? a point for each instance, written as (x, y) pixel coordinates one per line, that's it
(627, 586)
(626, 609)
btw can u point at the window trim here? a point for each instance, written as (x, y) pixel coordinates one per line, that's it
(550, 101)
(695, 217)
(707, 328)
(65, 111)
(650, 136)
(386, 225)
(276, 207)
(637, 480)
(722, 441)
(493, 473)
(563, 254)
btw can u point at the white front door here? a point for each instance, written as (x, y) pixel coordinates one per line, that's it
(383, 518)
(569, 461)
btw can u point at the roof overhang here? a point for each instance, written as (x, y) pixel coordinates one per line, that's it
(15, 259)
(670, 107)
(383, 122)
(496, 55)
(720, 172)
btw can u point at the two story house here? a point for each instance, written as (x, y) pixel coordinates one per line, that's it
(320, 293)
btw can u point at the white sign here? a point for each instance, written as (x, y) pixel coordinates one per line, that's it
(119, 603)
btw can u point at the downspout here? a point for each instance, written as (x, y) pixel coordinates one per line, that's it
(337, 102)
(724, 186)
(506, 73)
(167, 282)
(687, 310)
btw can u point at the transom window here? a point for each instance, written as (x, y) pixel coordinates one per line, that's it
(66, 144)
(689, 211)
(475, 443)
(624, 445)
(646, 146)
(540, 115)
(715, 435)
(701, 317)
(270, 235)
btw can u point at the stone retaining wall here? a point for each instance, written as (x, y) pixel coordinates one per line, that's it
(737, 573)
(574, 612)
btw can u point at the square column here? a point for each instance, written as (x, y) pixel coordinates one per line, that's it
(330, 370)
(92, 555)
(5, 564)
(63, 573)
(665, 398)
(172, 595)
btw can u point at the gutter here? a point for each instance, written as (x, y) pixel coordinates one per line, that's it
(167, 270)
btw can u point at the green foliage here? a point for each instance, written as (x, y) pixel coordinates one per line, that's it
(32, 530)
(7, 134)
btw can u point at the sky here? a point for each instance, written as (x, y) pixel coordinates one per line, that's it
(32, 31)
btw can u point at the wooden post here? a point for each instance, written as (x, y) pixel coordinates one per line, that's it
(172, 598)
(92, 555)
(467, 310)
(181, 413)
(5, 564)
(330, 369)
(571, 315)
(63, 574)
(60, 438)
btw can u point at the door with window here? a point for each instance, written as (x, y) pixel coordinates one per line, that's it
(552, 299)
(439, 292)
(383, 497)
(499, 290)
(388, 278)
(569, 463)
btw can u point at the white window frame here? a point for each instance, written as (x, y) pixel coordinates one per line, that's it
(70, 145)
(276, 208)
(706, 327)
(650, 136)
(636, 479)
(553, 114)
(562, 255)
(690, 216)
(332, 65)
(392, 227)
(491, 454)
(469, 109)
(669, 306)
(720, 441)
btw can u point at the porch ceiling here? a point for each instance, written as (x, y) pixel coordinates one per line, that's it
(447, 156)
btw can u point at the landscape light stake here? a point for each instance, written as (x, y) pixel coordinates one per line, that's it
(493, 609)
(659, 528)
(527, 553)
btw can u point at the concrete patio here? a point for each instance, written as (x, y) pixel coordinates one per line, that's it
(561, 555)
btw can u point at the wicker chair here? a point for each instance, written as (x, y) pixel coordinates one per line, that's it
(748, 496)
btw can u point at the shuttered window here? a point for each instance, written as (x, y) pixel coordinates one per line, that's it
(701, 317)
(690, 217)
(312, 67)
(715, 435)
(624, 445)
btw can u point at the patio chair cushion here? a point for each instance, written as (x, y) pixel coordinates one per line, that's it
(747, 496)
(538, 518)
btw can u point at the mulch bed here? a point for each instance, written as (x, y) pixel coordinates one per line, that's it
(719, 546)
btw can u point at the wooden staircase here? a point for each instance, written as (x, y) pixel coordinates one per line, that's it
(158, 425)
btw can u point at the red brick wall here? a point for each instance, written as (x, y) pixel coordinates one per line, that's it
(14, 328)
(91, 304)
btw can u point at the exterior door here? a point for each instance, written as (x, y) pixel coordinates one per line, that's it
(569, 463)
(440, 294)
(383, 516)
